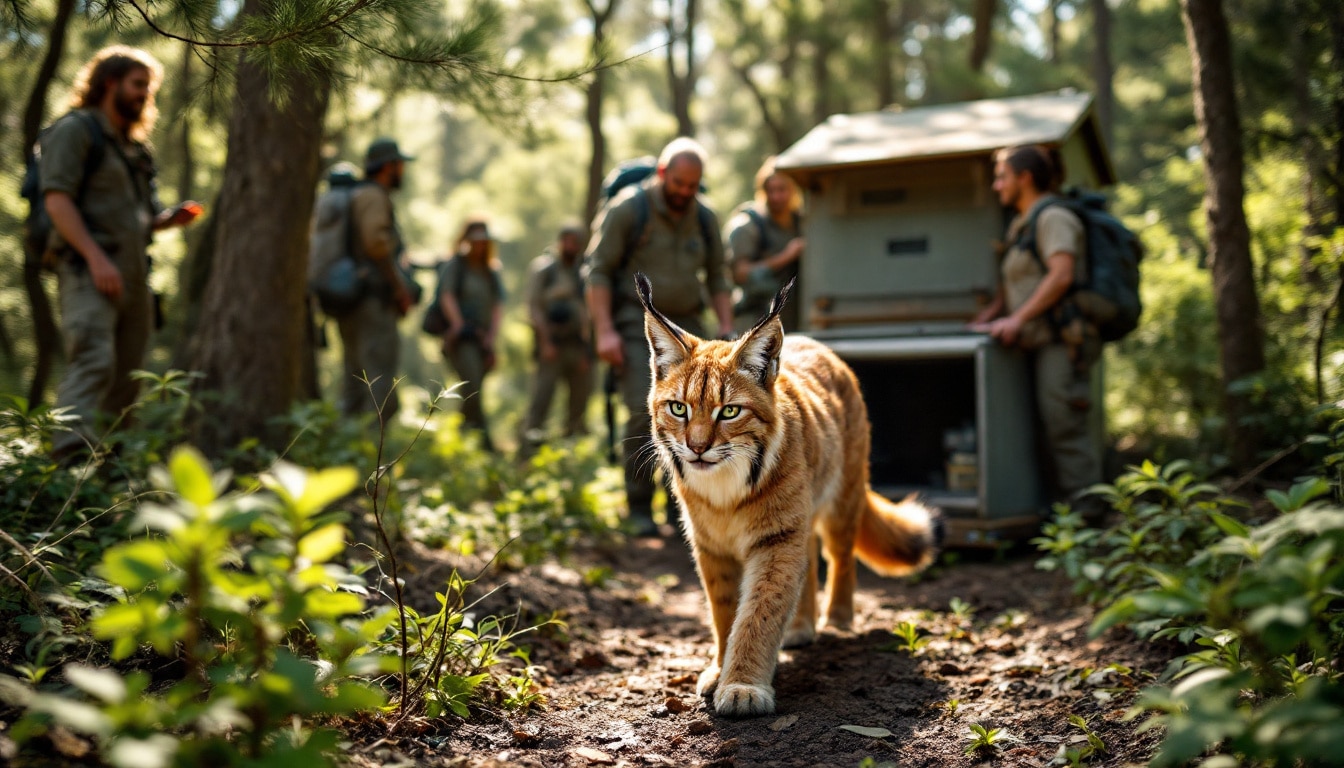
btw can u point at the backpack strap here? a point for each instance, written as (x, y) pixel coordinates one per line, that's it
(1027, 236)
(758, 220)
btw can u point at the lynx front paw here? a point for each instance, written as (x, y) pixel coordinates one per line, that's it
(742, 700)
(709, 679)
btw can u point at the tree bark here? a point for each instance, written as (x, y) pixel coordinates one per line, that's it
(882, 58)
(1052, 19)
(1103, 70)
(1240, 330)
(682, 85)
(597, 163)
(821, 76)
(186, 158)
(252, 328)
(983, 36)
(46, 334)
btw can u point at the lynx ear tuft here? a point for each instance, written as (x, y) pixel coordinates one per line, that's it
(758, 352)
(669, 345)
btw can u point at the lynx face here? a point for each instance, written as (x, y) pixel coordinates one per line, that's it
(713, 410)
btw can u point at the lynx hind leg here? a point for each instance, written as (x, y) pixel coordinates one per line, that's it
(802, 629)
(838, 534)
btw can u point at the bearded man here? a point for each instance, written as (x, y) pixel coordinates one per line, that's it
(97, 186)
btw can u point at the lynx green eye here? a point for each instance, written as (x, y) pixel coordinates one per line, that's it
(730, 412)
(677, 409)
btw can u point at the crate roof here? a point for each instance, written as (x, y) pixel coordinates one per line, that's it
(948, 130)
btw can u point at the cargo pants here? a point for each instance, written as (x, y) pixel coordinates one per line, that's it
(1064, 401)
(638, 452)
(369, 345)
(104, 342)
(573, 365)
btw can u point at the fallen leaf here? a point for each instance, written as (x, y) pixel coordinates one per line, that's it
(674, 704)
(875, 733)
(783, 722)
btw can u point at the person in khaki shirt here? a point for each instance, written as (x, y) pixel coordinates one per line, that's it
(102, 222)
(369, 339)
(680, 251)
(764, 240)
(559, 318)
(1034, 312)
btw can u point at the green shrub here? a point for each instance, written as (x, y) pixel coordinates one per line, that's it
(1261, 608)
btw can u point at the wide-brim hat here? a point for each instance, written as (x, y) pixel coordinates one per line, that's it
(383, 151)
(477, 231)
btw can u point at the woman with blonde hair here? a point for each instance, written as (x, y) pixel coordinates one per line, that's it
(763, 241)
(471, 295)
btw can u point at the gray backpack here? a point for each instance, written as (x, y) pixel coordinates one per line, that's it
(336, 276)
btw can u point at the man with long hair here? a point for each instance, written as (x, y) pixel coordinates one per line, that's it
(762, 243)
(97, 177)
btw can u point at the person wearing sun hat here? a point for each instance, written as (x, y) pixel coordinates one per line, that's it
(369, 338)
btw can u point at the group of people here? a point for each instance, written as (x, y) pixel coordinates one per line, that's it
(97, 190)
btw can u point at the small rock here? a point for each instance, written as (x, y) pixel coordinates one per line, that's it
(525, 736)
(660, 711)
(950, 669)
(593, 756)
(979, 680)
(699, 727)
(683, 681)
(729, 747)
(594, 659)
(676, 705)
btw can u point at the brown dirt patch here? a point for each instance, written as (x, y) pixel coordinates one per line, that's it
(621, 683)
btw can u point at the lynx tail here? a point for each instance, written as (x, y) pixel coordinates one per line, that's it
(898, 539)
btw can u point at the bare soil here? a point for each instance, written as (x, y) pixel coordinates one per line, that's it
(620, 680)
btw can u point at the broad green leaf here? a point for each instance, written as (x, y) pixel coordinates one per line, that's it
(1202, 677)
(156, 751)
(331, 605)
(1306, 490)
(324, 487)
(102, 684)
(75, 715)
(191, 476)
(1119, 612)
(863, 730)
(1229, 525)
(133, 566)
(323, 544)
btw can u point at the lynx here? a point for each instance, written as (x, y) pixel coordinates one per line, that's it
(766, 442)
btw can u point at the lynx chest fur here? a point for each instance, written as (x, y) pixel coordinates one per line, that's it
(766, 441)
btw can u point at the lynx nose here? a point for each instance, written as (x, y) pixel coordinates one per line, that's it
(699, 440)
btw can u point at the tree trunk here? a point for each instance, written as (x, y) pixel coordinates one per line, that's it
(1240, 332)
(983, 35)
(883, 80)
(46, 334)
(252, 328)
(682, 84)
(821, 77)
(1103, 70)
(597, 163)
(186, 158)
(1052, 19)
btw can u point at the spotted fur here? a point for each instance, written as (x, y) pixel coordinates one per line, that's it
(766, 440)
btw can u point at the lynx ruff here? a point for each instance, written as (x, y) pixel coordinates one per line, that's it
(766, 440)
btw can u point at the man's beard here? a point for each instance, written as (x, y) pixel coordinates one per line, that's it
(677, 202)
(395, 181)
(130, 109)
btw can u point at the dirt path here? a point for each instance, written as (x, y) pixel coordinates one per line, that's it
(621, 685)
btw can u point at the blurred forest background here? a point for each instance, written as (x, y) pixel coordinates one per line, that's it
(514, 108)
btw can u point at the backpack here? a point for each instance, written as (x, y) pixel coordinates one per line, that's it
(632, 172)
(38, 224)
(758, 293)
(336, 277)
(1109, 294)
(435, 322)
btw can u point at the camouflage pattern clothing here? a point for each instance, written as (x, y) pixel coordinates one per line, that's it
(104, 340)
